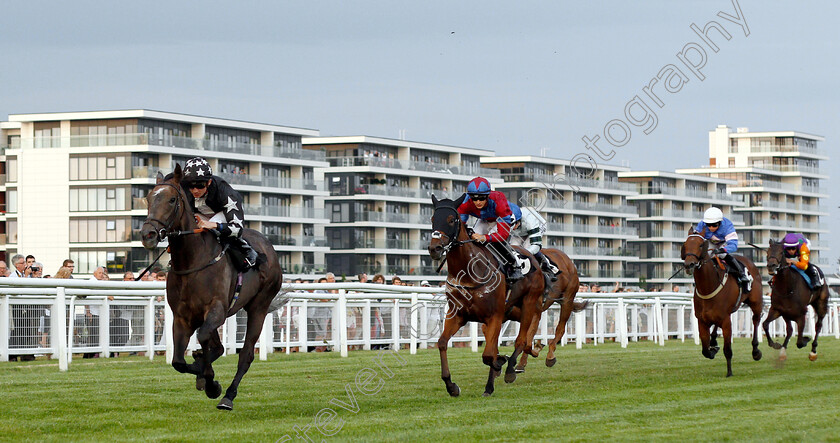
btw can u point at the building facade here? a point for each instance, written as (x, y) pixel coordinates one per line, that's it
(586, 211)
(379, 205)
(75, 183)
(668, 205)
(779, 175)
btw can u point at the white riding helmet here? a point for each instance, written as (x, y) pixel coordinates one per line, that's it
(712, 215)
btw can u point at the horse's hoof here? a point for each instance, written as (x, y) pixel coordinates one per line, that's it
(776, 346)
(550, 362)
(214, 390)
(225, 404)
(510, 377)
(729, 375)
(519, 369)
(200, 382)
(455, 391)
(812, 356)
(487, 394)
(756, 355)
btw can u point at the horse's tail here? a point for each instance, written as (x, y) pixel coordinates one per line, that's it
(279, 301)
(579, 305)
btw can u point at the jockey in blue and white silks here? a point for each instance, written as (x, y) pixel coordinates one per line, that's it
(720, 231)
(527, 230)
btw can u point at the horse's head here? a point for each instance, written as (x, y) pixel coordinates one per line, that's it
(694, 250)
(775, 256)
(446, 225)
(166, 203)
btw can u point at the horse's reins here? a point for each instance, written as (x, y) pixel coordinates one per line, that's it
(700, 262)
(453, 243)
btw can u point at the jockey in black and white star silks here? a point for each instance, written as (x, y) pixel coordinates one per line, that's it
(221, 203)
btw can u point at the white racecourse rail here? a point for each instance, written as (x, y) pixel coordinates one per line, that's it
(115, 316)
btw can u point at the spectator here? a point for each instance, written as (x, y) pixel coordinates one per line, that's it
(319, 319)
(583, 287)
(30, 261)
(37, 270)
(396, 281)
(64, 272)
(363, 278)
(149, 276)
(617, 287)
(4, 269)
(128, 276)
(20, 266)
(675, 288)
(425, 284)
(379, 279)
(121, 320)
(68, 263)
(160, 276)
(377, 327)
(596, 287)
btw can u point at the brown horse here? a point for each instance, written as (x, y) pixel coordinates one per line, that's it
(790, 299)
(201, 287)
(477, 291)
(562, 291)
(717, 296)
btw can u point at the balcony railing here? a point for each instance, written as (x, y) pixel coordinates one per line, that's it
(591, 229)
(397, 191)
(272, 182)
(378, 243)
(283, 211)
(611, 252)
(173, 142)
(786, 148)
(562, 183)
(664, 190)
(392, 163)
(391, 217)
(580, 206)
(297, 240)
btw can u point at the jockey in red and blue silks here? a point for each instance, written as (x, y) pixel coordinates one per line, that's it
(494, 214)
(720, 231)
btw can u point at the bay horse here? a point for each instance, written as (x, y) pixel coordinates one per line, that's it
(562, 291)
(717, 296)
(476, 290)
(789, 299)
(200, 289)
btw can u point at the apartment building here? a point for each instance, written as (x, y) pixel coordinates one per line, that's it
(379, 205)
(75, 183)
(668, 205)
(779, 175)
(586, 209)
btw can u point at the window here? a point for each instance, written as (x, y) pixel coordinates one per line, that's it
(101, 167)
(98, 199)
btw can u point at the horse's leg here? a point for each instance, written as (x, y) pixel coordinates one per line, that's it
(181, 334)
(530, 317)
(772, 315)
(801, 339)
(560, 330)
(820, 309)
(208, 337)
(726, 328)
(713, 344)
(705, 340)
(491, 356)
(788, 334)
(532, 332)
(246, 356)
(756, 319)
(450, 327)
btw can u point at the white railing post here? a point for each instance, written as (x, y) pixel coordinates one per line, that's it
(544, 327)
(836, 321)
(266, 338)
(58, 326)
(621, 323)
(289, 327)
(580, 328)
(366, 324)
(302, 327)
(230, 330)
(595, 323)
(660, 316)
(71, 326)
(105, 328)
(4, 329)
(167, 337)
(634, 321)
(412, 346)
(695, 328)
(681, 323)
(150, 329)
(474, 336)
(424, 326)
(395, 324)
(342, 322)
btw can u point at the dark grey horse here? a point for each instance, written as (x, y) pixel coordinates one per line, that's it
(200, 288)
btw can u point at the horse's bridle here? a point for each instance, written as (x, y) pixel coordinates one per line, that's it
(452, 240)
(703, 257)
(166, 227)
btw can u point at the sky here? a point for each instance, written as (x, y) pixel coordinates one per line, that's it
(513, 77)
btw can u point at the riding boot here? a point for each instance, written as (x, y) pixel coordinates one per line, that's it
(548, 268)
(508, 258)
(250, 253)
(744, 278)
(812, 272)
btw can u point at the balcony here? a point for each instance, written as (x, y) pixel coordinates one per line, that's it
(271, 182)
(284, 211)
(696, 193)
(391, 217)
(80, 141)
(396, 191)
(602, 252)
(392, 163)
(786, 148)
(298, 240)
(563, 183)
(591, 229)
(305, 269)
(580, 206)
(391, 243)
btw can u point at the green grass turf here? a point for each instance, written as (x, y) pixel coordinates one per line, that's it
(645, 392)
